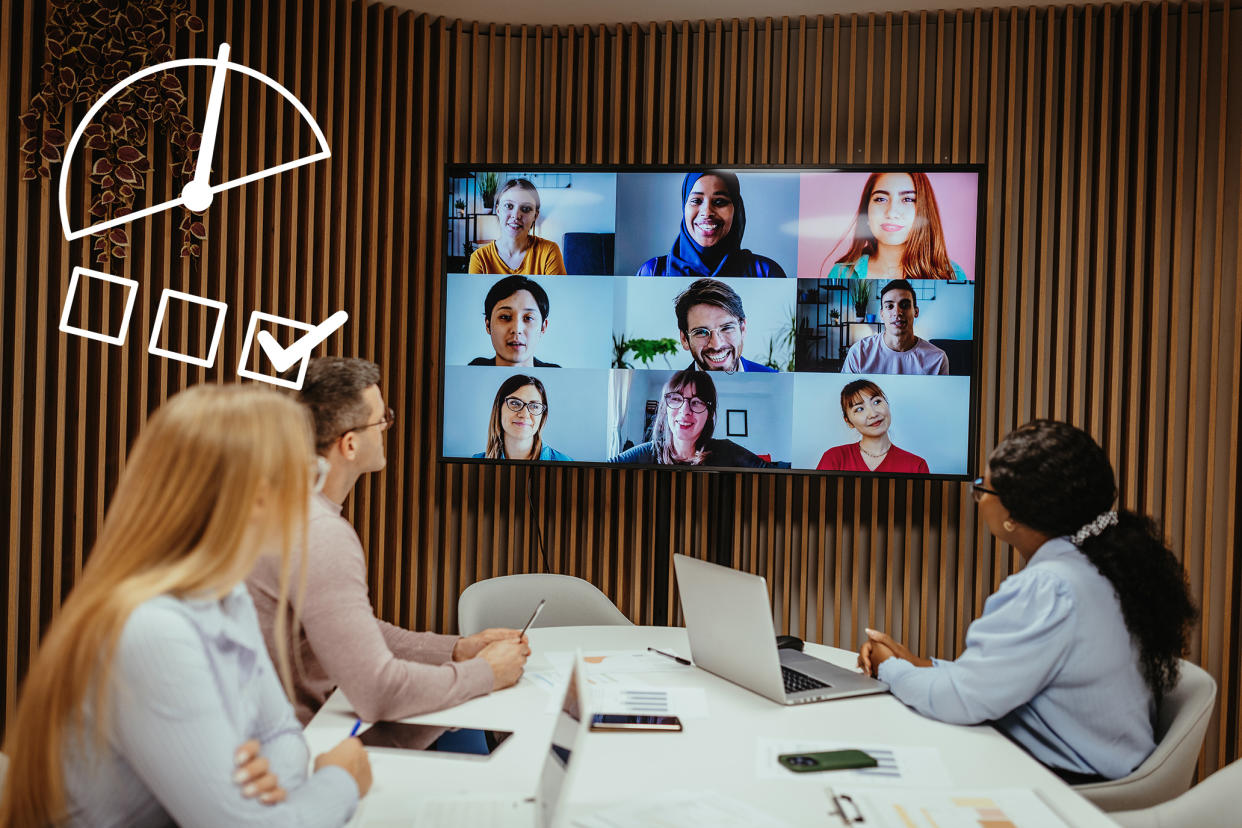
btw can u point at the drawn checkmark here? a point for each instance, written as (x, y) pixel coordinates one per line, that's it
(283, 359)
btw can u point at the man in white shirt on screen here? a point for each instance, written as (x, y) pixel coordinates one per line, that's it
(896, 350)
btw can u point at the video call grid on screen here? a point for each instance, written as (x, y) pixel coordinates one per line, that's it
(610, 250)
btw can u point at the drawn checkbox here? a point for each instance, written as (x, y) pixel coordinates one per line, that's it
(131, 294)
(205, 362)
(251, 330)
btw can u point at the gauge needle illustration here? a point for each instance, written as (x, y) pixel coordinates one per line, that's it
(197, 194)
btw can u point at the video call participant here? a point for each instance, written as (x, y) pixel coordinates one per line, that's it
(160, 635)
(519, 413)
(897, 232)
(518, 250)
(1074, 652)
(709, 242)
(515, 316)
(865, 409)
(681, 433)
(386, 672)
(712, 323)
(897, 350)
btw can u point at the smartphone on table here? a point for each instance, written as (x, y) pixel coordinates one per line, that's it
(619, 722)
(827, 760)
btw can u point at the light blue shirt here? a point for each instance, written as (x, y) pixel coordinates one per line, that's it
(545, 453)
(1050, 664)
(192, 681)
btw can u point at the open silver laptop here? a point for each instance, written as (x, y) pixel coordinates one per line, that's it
(729, 622)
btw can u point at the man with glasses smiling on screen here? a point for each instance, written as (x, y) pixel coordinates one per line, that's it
(713, 327)
(386, 672)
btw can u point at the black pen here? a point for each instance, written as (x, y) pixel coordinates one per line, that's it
(676, 658)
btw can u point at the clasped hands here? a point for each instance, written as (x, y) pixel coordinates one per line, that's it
(880, 647)
(501, 648)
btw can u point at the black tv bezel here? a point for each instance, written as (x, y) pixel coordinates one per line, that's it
(459, 170)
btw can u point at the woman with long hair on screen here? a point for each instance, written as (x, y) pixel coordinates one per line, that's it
(155, 670)
(709, 241)
(519, 413)
(681, 433)
(896, 233)
(866, 410)
(518, 249)
(1073, 654)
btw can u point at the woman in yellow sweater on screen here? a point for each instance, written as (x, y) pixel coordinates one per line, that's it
(518, 250)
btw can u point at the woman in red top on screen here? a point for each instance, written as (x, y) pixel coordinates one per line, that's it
(897, 233)
(866, 410)
(518, 250)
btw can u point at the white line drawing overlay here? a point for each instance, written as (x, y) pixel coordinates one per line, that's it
(131, 295)
(300, 349)
(282, 359)
(198, 194)
(210, 359)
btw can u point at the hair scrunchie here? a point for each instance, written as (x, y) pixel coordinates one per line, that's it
(1095, 527)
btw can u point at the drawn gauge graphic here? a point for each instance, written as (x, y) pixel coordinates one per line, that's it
(197, 195)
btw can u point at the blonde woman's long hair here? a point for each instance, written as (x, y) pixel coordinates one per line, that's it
(182, 523)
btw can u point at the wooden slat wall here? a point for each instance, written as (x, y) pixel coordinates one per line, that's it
(1112, 232)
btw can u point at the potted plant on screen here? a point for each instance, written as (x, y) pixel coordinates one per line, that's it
(860, 293)
(487, 189)
(460, 204)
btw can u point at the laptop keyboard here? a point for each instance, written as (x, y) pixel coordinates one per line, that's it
(796, 682)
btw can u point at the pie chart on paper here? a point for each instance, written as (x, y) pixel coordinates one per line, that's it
(198, 194)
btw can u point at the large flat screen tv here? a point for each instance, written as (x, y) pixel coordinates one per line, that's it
(807, 320)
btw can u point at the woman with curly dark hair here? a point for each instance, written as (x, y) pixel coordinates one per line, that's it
(1073, 653)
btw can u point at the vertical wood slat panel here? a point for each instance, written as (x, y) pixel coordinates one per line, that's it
(839, 554)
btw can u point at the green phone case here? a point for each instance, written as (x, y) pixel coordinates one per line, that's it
(826, 760)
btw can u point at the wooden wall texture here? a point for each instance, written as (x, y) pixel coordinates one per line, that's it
(1110, 134)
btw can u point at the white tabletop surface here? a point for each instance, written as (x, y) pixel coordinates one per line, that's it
(715, 753)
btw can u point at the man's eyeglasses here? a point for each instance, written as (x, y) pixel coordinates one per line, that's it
(535, 408)
(390, 417)
(978, 490)
(675, 401)
(726, 330)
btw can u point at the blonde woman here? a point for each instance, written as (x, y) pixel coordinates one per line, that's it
(155, 670)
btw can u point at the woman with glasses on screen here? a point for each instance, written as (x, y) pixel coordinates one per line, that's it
(1074, 652)
(155, 671)
(681, 433)
(865, 409)
(518, 249)
(896, 233)
(709, 242)
(519, 412)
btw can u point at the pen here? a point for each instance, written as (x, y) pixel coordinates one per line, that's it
(676, 658)
(533, 616)
(357, 724)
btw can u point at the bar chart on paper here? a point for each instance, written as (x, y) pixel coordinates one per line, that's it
(904, 808)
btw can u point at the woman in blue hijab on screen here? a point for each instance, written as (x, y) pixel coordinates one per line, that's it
(710, 241)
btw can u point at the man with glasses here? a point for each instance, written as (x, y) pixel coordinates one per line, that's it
(713, 327)
(386, 672)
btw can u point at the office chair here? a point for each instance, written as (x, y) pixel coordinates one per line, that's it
(1181, 723)
(509, 600)
(1210, 804)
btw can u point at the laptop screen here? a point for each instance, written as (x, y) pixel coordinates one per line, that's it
(565, 741)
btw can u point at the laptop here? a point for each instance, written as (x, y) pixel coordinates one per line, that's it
(510, 811)
(729, 622)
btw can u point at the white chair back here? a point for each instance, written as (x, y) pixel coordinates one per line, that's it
(1181, 723)
(1213, 803)
(509, 600)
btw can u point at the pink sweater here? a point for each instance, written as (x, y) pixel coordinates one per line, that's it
(385, 671)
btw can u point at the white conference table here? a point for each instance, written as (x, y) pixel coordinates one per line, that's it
(714, 753)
